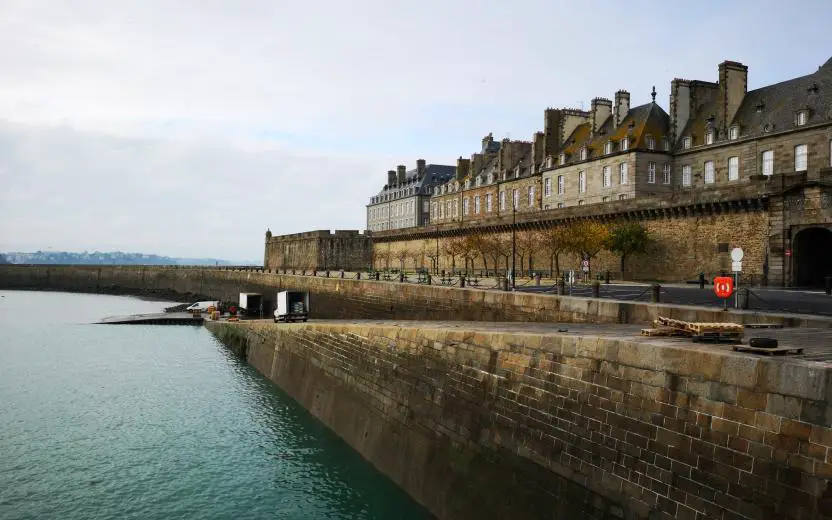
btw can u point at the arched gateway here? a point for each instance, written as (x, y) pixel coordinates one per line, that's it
(812, 257)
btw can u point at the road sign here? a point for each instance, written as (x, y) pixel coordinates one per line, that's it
(723, 286)
(737, 254)
(585, 265)
(736, 266)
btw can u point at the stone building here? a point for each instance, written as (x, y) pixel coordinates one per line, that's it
(319, 250)
(724, 167)
(403, 201)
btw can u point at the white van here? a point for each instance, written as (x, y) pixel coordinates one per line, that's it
(202, 306)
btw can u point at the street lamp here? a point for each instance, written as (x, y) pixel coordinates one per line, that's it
(513, 238)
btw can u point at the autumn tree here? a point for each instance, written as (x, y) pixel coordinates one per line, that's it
(587, 238)
(432, 252)
(402, 254)
(628, 239)
(468, 251)
(527, 244)
(553, 241)
(478, 244)
(454, 247)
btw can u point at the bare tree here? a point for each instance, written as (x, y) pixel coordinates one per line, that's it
(527, 244)
(553, 241)
(432, 253)
(402, 254)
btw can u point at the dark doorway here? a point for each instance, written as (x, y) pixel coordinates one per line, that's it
(812, 257)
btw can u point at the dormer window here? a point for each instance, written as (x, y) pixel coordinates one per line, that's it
(709, 137)
(549, 161)
(608, 147)
(686, 142)
(583, 153)
(625, 144)
(562, 159)
(734, 133)
(802, 117)
(665, 144)
(651, 142)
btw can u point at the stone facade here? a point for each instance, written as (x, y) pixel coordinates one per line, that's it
(319, 250)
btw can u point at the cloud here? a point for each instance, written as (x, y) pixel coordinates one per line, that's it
(187, 127)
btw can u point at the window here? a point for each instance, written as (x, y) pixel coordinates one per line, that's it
(562, 159)
(549, 162)
(583, 153)
(625, 144)
(426, 206)
(560, 205)
(547, 186)
(734, 133)
(651, 173)
(606, 178)
(800, 161)
(581, 182)
(709, 172)
(456, 214)
(531, 196)
(515, 198)
(605, 199)
(560, 184)
(502, 198)
(465, 206)
(608, 147)
(686, 175)
(433, 210)
(686, 143)
(623, 196)
(476, 204)
(709, 138)
(733, 168)
(651, 142)
(488, 203)
(622, 173)
(666, 174)
(665, 144)
(802, 118)
(768, 162)
(580, 202)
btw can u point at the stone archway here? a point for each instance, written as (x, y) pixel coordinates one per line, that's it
(812, 257)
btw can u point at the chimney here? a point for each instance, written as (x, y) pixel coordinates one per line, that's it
(733, 84)
(391, 177)
(622, 106)
(401, 170)
(538, 156)
(504, 157)
(463, 167)
(600, 111)
(552, 122)
(679, 107)
(420, 167)
(486, 141)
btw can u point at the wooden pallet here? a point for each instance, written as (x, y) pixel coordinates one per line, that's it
(777, 351)
(660, 331)
(717, 337)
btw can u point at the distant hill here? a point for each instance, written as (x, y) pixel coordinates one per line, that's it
(110, 258)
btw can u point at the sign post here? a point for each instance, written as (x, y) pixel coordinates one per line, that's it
(736, 266)
(723, 288)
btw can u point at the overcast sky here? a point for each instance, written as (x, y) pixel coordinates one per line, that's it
(188, 127)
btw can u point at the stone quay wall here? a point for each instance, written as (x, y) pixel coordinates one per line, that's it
(351, 299)
(484, 424)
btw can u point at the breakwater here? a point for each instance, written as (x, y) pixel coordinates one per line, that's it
(493, 421)
(350, 299)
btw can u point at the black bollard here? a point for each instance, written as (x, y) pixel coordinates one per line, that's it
(561, 286)
(327, 273)
(430, 280)
(537, 278)
(462, 280)
(596, 289)
(401, 277)
(607, 277)
(655, 293)
(829, 285)
(378, 275)
(358, 275)
(342, 273)
(701, 280)
(742, 297)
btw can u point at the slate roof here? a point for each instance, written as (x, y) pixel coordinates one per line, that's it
(640, 121)
(435, 174)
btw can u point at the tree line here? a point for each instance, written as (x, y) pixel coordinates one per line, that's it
(583, 239)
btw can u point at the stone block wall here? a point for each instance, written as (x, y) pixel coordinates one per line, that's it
(485, 424)
(343, 249)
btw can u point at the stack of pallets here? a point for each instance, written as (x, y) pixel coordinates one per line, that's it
(697, 331)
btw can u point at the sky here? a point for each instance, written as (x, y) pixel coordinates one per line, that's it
(189, 127)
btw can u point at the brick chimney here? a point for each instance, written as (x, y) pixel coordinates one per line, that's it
(733, 84)
(679, 107)
(621, 107)
(420, 167)
(391, 177)
(463, 167)
(401, 170)
(600, 111)
(551, 132)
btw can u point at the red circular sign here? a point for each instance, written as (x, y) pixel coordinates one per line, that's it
(724, 286)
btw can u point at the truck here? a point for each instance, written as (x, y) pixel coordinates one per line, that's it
(251, 304)
(292, 306)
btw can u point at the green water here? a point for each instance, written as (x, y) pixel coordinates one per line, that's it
(159, 422)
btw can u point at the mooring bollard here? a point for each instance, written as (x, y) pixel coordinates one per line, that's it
(401, 277)
(378, 276)
(342, 273)
(596, 289)
(655, 293)
(462, 280)
(701, 280)
(607, 277)
(829, 285)
(537, 278)
(742, 297)
(430, 280)
(327, 273)
(358, 275)
(561, 287)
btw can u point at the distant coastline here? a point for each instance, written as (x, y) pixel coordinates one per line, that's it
(107, 258)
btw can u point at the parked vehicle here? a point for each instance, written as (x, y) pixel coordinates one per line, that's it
(292, 306)
(251, 304)
(201, 306)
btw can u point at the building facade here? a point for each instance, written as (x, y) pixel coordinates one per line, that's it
(404, 201)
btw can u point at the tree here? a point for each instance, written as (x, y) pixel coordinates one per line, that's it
(587, 238)
(628, 239)
(553, 241)
(478, 243)
(402, 255)
(527, 243)
(498, 246)
(432, 253)
(453, 247)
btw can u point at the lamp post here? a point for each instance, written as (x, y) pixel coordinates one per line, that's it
(513, 238)
(436, 260)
